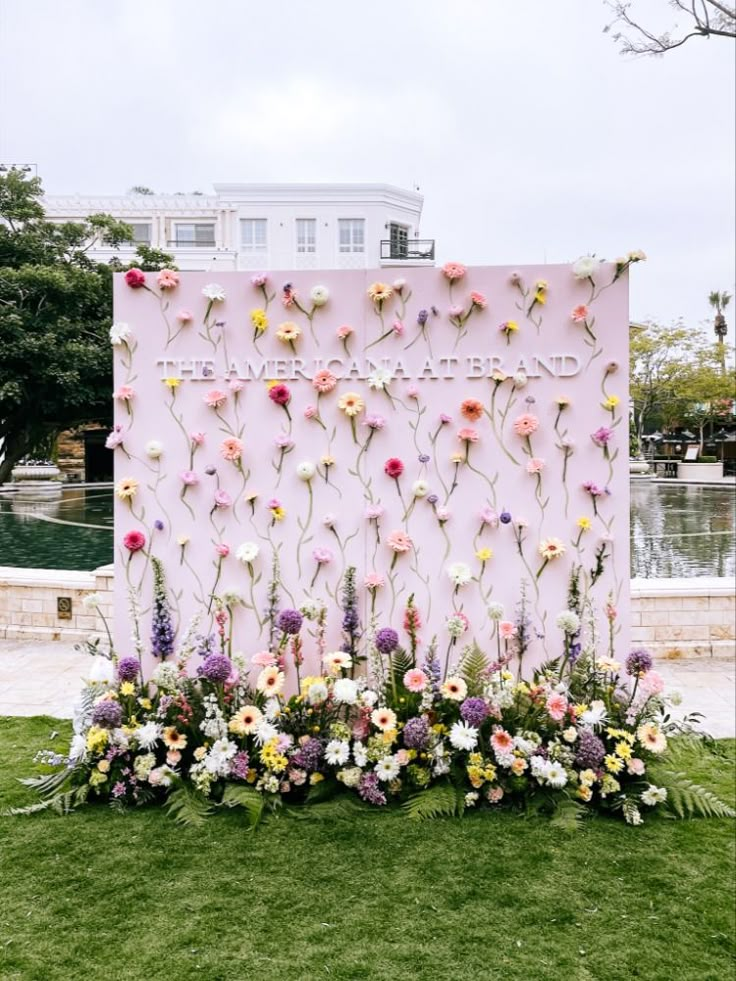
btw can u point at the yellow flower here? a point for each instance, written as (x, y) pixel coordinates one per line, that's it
(611, 402)
(506, 676)
(251, 776)
(199, 753)
(587, 778)
(457, 457)
(522, 688)
(379, 292)
(351, 404)
(510, 326)
(484, 554)
(182, 540)
(316, 778)
(97, 778)
(585, 793)
(562, 401)
(103, 766)
(584, 524)
(127, 688)
(145, 703)
(475, 775)
(96, 739)
(613, 763)
(271, 382)
(652, 738)
(259, 320)
(609, 785)
(127, 488)
(623, 750)
(278, 513)
(326, 460)
(173, 739)
(288, 332)
(272, 758)
(172, 382)
(490, 772)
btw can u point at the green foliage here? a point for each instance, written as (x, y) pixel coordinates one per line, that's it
(439, 800)
(473, 667)
(322, 791)
(250, 799)
(187, 806)
(687, 799)
(400, 661)
(568, 815)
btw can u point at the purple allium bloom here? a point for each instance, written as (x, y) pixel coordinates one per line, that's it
(387, 640)
(590, 751)
(309, 755)
(289, 621)
(474, 711)
(239, 765)
(370, 791)
(158, 524)
(216, 668)
(416, 733)
(424, 458)
(505, 517)
(602, 436)
(129, 668)
(639, 662)
(107, 714)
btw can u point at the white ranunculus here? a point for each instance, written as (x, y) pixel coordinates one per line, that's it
(213, 292)
(319, 295)
(306, 470)
(247, 552)
(120, 333)
(459, 573)
(154, 449)
(102, 670)
(420, 488)
(345, 691)
(586, 267)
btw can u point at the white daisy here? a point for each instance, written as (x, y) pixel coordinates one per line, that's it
(387, 768)
(337, 752)
(555, 775)
(464, 736)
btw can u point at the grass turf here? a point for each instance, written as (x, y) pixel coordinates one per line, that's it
(492, 896)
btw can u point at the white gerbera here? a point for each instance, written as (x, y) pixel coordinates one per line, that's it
(420, 488)
(379, 379)
(555, 775)
(265, 731)
(387, 768)
(460, 573)
(319, 295)
(585, 267)
(337, 752)
(120, 333)
(306, 470)
(148, 735)
(247, 552)
(345, 691)
(213, 292)
(154, 449)
(464, 736)
(654, 795)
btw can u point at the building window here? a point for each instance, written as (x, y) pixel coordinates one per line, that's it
(253, 234)
(306, 235)
(141, 232)
(352, 234)
(193, 234)
(399, 241)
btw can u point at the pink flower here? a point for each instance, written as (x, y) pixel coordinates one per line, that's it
(398, 328)
(189, 478)
(324, 381)
(231, 448)
(652, 683)
(135, 278)
(443, 513)
(236, 385)
(580, 314)
(489, 517)
(515, 279)
(453, 270)
(526, 424)
(197, 438)
(494, 794)
(398, 541)
(263, 659)
(310, 411)
(134, 541)
(556, 707)
(215, 398)
(478, 300)
(125, 393)
(344, 332)
(259, 279)
(284, 442)
(393, 467)
(506, 629)
(468, 435)
(222, 499)
(280, 394)
(636, 767)
(415, 680)
(412, 392)
(456, 311)
(185, 316)
(222, 549)
(521, 523)
(373, 581)
(502, 742)
(115, 438)
(373, 512)
(322, 556)
(168, 279)
(535, 466)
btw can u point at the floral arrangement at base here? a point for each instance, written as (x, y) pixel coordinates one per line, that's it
(435, 735)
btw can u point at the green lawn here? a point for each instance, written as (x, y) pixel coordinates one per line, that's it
(117, 897)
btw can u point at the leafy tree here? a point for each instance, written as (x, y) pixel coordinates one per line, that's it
(140, 189)
(55, 314)
(703, 18)
(707, 390)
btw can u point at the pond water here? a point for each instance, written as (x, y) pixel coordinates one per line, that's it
(676, 530)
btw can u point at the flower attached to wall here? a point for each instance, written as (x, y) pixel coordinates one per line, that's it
(380, 293)
(120, 334)
(453, 271)
(215, 398)
(586, 267)
(280, 394)
(259, 322)
(126, 489)
(602, 437)
(549, 550)
(459, 574)
(231, 450)
(134, 541)
(399, 543)
(351, 404)
(154, 449)
(136, 279)
(508, 328)
(393, 468)
(289, 333)
(322, 556)
(610, 404)
(467, 436)
(115, 439)
(125, 394)
(622, 264)
(344, 332)
(595, 491)
(167, 279)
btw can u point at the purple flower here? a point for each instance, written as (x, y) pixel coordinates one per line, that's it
(593, 489)
(107, 714)
(239, 765)
(590, 751)
(289, 621)
(374, 421)
(387, 640)
(416, 733)
(639, 662)
(505, 517)
(309, 755)
(602, 436)
(370, 791)
(129, 668)
(216, 668)
(119, 789)
(432, 499)
(158, 524)
(322, 556)
(422, 317)
(474, 711)
(210, 470)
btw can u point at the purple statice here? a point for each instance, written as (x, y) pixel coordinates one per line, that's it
(309, 755)
(370, 791)
(474, 711)
(289, 621)
(639, 662)
(158, 524)
(416, 733)
(387, 640)
(216, 668)
(590, 751)
(129, 668)
(107, 714)
(422, 318)
(505, 517)
(239, 765)
(162, 629)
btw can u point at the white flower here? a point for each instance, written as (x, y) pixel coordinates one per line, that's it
(265, 731)
(213, 292)
(272, 709)
(154, 449)
(568, 621)
(102, 671)
(345, 691)
(420, 488)
(555, 774)
(317, 693)
(360, 754)
(247, 552)
(586, 267)
(399, 284)
(329, 520)
(633, 815)
(387, 768)
(78, 748)
(148, 735)
(495, 611)
(337, 752)
(654, 795)
(570, 734)
(379, 379)
(595, 715)
(350, 777)
(463, 736)
(319, 295)
(471, 798)
(520, 379)
(305, 470)
(120, 333)
(369, 698)
(166, 676)
(459, 573)
(91, 601)
(336, 661)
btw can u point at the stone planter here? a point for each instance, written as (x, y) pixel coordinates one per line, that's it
(638, 467)
(34, 472)
(700, 471)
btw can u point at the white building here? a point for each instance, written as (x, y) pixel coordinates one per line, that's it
(267, 226)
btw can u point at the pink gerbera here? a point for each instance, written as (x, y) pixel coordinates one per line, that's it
(324, 381)
(557, 707)
(231, 448)
(526, 424)
(502, 742)
(415, 680)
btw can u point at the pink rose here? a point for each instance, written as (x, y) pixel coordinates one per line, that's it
(310, 411)
(135, 278)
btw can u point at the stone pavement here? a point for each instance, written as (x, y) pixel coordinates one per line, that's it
(45, 678)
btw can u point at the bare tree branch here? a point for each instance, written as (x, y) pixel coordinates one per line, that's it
(709, 18)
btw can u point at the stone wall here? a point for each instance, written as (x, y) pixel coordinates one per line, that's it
(674, 618)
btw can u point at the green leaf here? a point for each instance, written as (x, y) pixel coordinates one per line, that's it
(688, 799)
(252, 800)
(187, 806)
(472, 669)
(441, 800)
(568, 815)
(321, 791)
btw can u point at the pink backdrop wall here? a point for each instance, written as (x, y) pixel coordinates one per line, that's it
(560, 357)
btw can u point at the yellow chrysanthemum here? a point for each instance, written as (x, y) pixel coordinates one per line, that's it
(172, 382)
(97, 739)
(127, 688)
(584, 524)
(613, 764)
(484, 554)
(259, 319)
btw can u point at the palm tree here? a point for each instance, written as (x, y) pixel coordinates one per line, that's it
(719, 302)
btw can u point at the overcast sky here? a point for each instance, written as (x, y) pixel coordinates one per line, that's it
(530, 137)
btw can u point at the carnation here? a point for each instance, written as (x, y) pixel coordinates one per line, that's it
(585, 267)
(459, 574)
(345, 691)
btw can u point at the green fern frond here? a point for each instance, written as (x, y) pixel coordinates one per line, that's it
(240, 795)
(688, 799)
(441, 800)
(401, 662)
(187, 806)
(473, 668)
(568, 815)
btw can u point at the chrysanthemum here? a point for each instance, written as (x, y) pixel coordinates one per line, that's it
(464, 736)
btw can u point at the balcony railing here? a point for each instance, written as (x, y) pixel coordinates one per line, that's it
(412, 249)
(189, 244)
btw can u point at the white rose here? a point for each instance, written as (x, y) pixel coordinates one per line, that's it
(247, 552)
(305, 470)
(320, 295)
(586, 267)
(154, 449)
